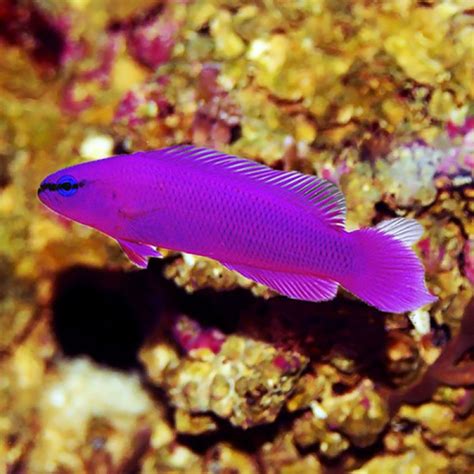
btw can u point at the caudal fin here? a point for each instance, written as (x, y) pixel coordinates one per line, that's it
(390, 277)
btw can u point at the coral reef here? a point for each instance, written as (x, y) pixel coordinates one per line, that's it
(187, 366)
(239, 379)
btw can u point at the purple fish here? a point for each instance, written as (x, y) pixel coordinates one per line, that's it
(283, 229)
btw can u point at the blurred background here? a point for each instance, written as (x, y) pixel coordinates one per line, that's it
(187, 367)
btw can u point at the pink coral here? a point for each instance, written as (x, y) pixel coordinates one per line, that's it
(460, 130)
(432, 255)
(152, 41)
(73, 105)
(287, 363)
(217, 121)
(190, 335)
(334, 175)
(100, 75)
(469, 260)
(460, 154)
(132, 109)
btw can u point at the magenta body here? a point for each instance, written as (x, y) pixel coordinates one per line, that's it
(231, 220)
(285, 230)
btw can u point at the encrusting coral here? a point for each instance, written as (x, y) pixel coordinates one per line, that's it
(236, 378)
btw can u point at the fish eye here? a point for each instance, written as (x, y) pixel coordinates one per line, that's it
(67, 185)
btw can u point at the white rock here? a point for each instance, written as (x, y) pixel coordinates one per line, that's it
(421, 321)
(95, 147)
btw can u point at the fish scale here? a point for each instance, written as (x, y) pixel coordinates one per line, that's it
(239, 222)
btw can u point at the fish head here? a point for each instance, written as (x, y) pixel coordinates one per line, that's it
(88, 193)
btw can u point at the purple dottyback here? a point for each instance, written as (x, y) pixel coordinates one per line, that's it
(283, 229)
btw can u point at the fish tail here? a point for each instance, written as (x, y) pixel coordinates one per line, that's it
(390, 276)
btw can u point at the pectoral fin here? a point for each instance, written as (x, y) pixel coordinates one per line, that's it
(139, 253)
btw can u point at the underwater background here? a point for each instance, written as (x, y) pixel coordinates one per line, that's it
(187, 367)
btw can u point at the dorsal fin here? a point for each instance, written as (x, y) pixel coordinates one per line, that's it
(326, 200)
(407, 231)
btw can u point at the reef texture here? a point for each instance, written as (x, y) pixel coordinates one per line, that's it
(188, 367)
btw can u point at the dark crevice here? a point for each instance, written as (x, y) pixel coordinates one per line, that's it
(121, 148)
(247, 440)
(24, 24)
(108, 314)
(143, 17)
(235, 133)
(5, 177)
(105, 314)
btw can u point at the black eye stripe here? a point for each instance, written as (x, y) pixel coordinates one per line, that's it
(48, 186)
(65, 186)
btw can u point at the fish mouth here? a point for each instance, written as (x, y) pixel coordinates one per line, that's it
(46, 193)
(46, 186)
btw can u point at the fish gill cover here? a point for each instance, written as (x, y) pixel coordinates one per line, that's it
(189, 367)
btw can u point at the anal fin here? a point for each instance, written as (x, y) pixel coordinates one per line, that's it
(294, 285)
(139, 253)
